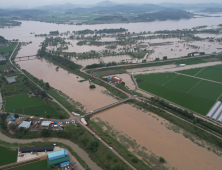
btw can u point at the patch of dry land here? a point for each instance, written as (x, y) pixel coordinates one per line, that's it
(149, 136)
(169, 68)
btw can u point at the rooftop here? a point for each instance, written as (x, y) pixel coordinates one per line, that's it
(11, 79)
(57, 153)
(25, 124)
(46, 123)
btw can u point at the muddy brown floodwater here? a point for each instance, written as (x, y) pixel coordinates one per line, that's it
(178, 151)
(68, 83)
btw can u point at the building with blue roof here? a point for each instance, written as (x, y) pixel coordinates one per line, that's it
(64, 164)
(13, 118)
(57, 155)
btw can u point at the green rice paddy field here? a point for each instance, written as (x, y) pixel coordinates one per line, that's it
(30, 106)
(8, 48)
(40, 165)
(190, 92)
(10, 156)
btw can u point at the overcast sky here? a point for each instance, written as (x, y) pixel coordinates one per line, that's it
(31, 3)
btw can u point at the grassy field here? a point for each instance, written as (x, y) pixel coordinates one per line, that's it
(33, 166)
(210, 73)
(192, 93)
(30, 106)
(191, 72)
(8, 48)
(22, 100)
(10, 156)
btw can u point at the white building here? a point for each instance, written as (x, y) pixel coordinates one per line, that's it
(25, 124)
(46, 123)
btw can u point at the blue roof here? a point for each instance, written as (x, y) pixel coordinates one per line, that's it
(64, 163)
(13, 118)
(57, 153)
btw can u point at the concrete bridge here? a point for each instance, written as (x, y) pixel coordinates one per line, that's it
(26, 57)
(106, 107)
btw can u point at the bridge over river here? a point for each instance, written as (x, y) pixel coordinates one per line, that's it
(26, 57)
(106, 107)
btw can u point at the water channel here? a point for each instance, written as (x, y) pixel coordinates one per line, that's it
(72, 145)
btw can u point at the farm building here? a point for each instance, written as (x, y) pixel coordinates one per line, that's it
(11, 79)
(8, 69)
(35, 93)
(46, 123)
(13, 118)
(215, 112)
(117, 79)
(57, 155)
(58, 161)
(36, 149)
(64, 164)
(25, 124)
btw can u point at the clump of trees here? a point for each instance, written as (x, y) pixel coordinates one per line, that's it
(92, 86)
(162, 160)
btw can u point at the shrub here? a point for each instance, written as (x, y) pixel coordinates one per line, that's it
(135, 160)
(92, 86)
(162, 160)
(93, 146)
(16, 115)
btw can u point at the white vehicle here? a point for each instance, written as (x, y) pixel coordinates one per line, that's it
(91, 111)
(94, 134)
(110, 147)
(99, 138)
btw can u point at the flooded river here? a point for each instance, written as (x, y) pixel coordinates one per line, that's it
(68, 83)
(148, 131)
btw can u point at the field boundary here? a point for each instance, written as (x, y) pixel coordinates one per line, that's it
(219, 97)
(198, 78)
(194, 86)
(199, 71)
(170, 80)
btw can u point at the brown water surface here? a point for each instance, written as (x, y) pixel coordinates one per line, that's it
(178, 151)
(68, 84)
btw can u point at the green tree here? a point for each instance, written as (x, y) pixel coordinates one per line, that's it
(162, 160)
(45, 133)
(47, 86)
(92, 86)
(93, 146)
(16, 115)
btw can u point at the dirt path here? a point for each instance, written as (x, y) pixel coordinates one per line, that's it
(170, 68)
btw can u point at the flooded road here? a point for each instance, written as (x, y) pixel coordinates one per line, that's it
(68, 83)
(149, 131)
(81, 153)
